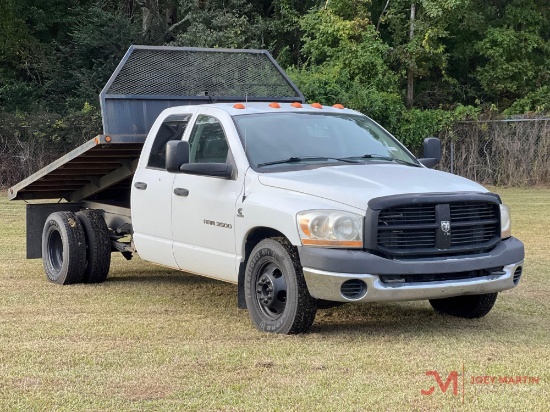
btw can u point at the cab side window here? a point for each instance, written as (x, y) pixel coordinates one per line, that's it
(208, 143)
(171, 129)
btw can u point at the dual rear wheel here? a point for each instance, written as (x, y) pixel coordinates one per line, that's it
(76, 247)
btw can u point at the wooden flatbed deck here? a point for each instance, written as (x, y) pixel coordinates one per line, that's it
(104, 163)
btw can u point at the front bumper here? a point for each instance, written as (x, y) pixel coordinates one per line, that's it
(325, 270)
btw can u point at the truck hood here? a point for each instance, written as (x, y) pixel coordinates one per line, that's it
(355, 185)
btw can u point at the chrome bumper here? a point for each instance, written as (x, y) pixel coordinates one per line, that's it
(326, 285)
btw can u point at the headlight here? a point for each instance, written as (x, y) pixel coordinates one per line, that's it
(330, 228)
(505, 223)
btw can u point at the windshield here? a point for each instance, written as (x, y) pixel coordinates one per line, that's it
(275, 140)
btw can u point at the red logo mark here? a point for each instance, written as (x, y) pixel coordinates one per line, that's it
(452, 378)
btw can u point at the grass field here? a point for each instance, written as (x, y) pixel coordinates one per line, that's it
(152, 339)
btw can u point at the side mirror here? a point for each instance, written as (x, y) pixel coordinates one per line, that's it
(432, 152)
(177, 154)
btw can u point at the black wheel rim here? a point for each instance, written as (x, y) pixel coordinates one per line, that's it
(55, 250)
(271, 290)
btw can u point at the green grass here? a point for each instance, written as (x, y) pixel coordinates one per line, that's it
(152, 339)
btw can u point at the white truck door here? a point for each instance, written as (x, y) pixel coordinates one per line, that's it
(203, 207)
(152, 195)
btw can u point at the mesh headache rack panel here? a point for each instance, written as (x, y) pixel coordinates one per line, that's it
(196, 72)
(150, 79)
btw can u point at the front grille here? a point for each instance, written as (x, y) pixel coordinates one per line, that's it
(471, 212)
(436, 229)
(472, 235)
(406, 238)
(408, 215)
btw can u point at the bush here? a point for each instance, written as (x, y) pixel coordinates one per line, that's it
(29, 141)
(411, 127)
(415, 125)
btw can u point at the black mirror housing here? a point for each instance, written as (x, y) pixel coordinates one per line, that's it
(432, 152)
(177, 154)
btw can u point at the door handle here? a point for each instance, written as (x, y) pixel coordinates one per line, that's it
(140, 185)
(180, 191)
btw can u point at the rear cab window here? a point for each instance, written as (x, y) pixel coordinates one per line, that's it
(172, 128)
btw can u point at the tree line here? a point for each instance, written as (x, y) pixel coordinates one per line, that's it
(416, 66)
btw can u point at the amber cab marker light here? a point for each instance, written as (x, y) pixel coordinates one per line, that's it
(317, 105)
(96, 140)
(275, 105)
(108, 139)
(238, 106)
(338, 106)
(296, 105)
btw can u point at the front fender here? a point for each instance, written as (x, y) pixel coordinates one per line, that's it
(276, 209)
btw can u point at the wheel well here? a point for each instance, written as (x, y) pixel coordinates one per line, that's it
(254, 237)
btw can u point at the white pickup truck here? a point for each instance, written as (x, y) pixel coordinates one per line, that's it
(302, 206)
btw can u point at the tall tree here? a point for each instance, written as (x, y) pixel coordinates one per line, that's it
(515, 51)
(218, 23)
(346, 61)
(418, 32)
(58, 57)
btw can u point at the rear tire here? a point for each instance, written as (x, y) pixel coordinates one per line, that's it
(467, 306)
(63, 248)
(275, 289)
(98, 246)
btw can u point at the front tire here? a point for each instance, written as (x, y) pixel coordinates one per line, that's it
(467, 306)
(63, 248)
(275, 289)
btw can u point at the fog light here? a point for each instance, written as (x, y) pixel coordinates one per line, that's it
(353, 289)
(517, 275)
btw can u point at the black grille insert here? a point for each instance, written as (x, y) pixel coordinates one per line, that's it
(436, 229)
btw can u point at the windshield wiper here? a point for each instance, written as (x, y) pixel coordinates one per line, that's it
(295, 159)
(383, 157)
